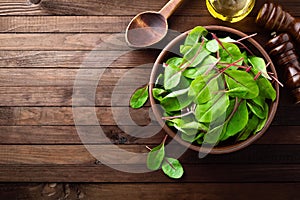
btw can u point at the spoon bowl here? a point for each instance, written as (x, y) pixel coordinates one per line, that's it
(150, 27)
(146, 29)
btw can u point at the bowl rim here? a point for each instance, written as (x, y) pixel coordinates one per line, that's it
(216, 149)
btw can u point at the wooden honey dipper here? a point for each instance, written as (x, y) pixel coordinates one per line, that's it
(283, 52)
(273, 17)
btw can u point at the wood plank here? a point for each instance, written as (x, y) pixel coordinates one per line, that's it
(52, 41)
(118, 135)
(64, 116)
(107, 24)
(84, 41)
(277, 173)
(62, 96)
(101, 7)
(216, 191)
(79, 155)
(66, 77)
(64, 135)
(75, 59)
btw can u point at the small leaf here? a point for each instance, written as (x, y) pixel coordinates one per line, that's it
(258, 111)
(172, 77)
(175, 61)
(158, 93)
(241, 84)
(213, 109)
(139, 97)
(238, 121)
(172, 168)
(200, 69)
(212, 46)
(266, 89)
(155, 157)
(259, 65)
(195, 35)
(263, 122)
(251, 126)
(196, 54)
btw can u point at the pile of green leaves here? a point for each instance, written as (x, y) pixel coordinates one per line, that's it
(216, 91)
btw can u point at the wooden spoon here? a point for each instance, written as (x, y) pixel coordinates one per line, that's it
(148, 28)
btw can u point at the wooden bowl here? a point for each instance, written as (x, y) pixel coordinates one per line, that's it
(168, 52)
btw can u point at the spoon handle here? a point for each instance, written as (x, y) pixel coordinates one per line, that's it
(170, 7)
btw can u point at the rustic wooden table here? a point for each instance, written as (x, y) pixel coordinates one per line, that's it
(43, 46)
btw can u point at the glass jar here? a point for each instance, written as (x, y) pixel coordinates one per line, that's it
(230, 10)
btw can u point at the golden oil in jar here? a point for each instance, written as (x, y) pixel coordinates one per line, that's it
(230, 10)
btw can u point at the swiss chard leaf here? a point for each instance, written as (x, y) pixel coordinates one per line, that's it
(139, 97)
(238, 121)
(263, 122)
(211, 110)
(171, 77)
(158, 93)
(231, 53)
(177, 103)
(249, 129)
(193, 37)
(196, 54)
(200, 69)
(212, 46)
(259, 65)
(266, 89)
(155, 157)
(172, 168)
(257, 110)
(241, 84)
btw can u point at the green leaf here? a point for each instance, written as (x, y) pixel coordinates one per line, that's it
(211, 110)
(188, 126)
(159, 81)
(238, 121)
(259, 65)
(213, 136)
(231, 54)
(193, 37)
(212, 46)
(196, 55)
(192, 138)
(158, 93)
(172, 168)
(200, 69)
(177, 93)
(171, 77)
(175, 61)
(251, 126)
(155, 157)
(203, 88)
(263, 122)
(176, 103)
(241, 84)
(257, 110)
(266, 89)
(139, 97)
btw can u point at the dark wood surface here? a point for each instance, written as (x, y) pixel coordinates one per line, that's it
(43, 46)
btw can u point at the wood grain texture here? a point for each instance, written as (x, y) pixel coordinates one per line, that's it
(64, 116)
(43, 47)
(75, 59)
(209, 191)
(209, 173)
(63, 135)
(102, 7)
(79, 155)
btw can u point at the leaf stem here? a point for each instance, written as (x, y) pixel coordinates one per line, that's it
(220, 43)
